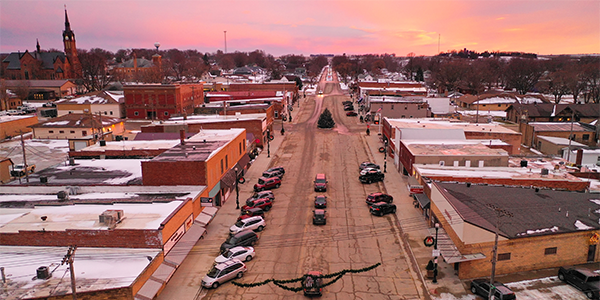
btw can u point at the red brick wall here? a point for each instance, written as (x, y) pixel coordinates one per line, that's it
(118, 238)
(173, 173)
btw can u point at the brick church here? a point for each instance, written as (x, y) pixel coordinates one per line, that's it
(45, 65)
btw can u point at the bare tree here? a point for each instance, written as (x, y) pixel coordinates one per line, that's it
(522, 74)
(22, 89)
(4, 96)
(94, 68)
(450, 74)
(591, 78)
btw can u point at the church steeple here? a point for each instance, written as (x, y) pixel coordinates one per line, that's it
(67, 24)
(37, 46)
(70, 48)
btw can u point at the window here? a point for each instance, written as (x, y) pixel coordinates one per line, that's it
(61, 131)
(405, 106)
(136, 113)
(226, 162)
(72, 131)
(392, 106)
(221, 166)
(585, 137)
(166, 113)
(83, 133)
(50, 131)
(550, 251)
(503, 256)
(240, 147)
(499, 105)
(111, 112)
(105, 113)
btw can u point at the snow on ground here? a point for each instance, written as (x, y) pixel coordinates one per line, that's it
(343, 86)
(493, 113)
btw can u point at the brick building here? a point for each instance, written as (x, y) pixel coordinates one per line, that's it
(79, 126)
(395, 88)
(11, 126)
(398, 107)
(161, 101)
(43, 90)
(102, 102)
(45, 65)
(578, 132)
(550, 112)
(538, 228)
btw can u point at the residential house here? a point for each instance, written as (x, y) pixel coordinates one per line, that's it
(79, 127)
(42, 90)
(549, 112)
(106, 103)
(576, 131)
(496, 101)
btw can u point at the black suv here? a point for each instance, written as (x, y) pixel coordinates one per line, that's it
(371, 176)
(584, 280)
(319, 217)
(501, 292)
(379, 197)
(382, 208)
(244, 238)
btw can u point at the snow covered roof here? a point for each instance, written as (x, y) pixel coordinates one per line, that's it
(560, 141)
(85, 216)
(559, 126)
(451, 148)
(95, 269)
(532, 212)
(101, 97)
(78, 121)
(416, 134)
(131, 145)
(216, 118)
(446, 123)
(13, 118)
(531, 172)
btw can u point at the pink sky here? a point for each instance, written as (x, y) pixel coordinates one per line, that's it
(307, 27)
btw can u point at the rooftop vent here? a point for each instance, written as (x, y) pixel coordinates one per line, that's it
(62, 195)
(111, 217)
(43, 273)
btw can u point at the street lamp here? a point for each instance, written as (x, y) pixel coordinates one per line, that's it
(435, 270)
(268, 143)
(237, 190)
(385, 144)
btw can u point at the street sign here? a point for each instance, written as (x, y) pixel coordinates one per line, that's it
(435, 253)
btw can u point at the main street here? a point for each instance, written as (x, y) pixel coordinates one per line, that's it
(291, 245)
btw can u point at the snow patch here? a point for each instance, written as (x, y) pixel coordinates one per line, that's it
(538, 231)
(581, 226)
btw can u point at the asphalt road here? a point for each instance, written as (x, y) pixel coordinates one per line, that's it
(291, 245)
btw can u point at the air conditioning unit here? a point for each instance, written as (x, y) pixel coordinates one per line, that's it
(111, 217)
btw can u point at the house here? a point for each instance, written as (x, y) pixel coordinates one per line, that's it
(551, 145)
(5, 167)
(11, 126)
(42, 90)
(493, 100)
(42, 65)
(549, 112)
(79, 126)
(161, 101)
(12, 101)
(106, 103)
(537, 228)
(395, 88)
(576, 131)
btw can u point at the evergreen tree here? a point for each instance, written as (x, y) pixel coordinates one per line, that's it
(325, 120)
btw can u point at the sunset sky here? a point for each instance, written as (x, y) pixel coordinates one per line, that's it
(281, 27)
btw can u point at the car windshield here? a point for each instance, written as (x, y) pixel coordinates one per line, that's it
(213, 273)
(594, 279)
(239, 224)
(320, 181)
(231, 240)
(260, 181)
(228, 254)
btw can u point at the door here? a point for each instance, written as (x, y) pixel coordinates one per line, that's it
(591, 253)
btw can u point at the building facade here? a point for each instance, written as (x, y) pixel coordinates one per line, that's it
(161, 101)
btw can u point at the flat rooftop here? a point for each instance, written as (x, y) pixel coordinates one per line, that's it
(451, 148)
(445, 124)
(7, 118)
(493, 172)
(196, 119)
(558, 126)
(133, 145)
(29, 196)
(84, 217)
(95, 269)
(89, 172)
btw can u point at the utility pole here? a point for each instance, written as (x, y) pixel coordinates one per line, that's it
(499, 213)
(69, 259)
(225, 34)
(571, 135)
(24, 159)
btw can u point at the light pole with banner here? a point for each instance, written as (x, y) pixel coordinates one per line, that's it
(435, 253)
(237, 190)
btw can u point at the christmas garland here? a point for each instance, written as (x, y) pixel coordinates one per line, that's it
(281, 283)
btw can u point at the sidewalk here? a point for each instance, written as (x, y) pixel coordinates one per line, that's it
(414, 225)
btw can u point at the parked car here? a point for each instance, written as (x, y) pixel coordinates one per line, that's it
(320, 92)
(253, 223)
(348, 108)
(251, 212)
(223, 272)
(20, 170)
(320, 183)
(582, 279)
(367, 170)
(368, 164)
(319, 217)
(320, 201)
(313, 284)
(481, 287)
(261, 194)
(379, 197)
(272, 174)
(279, 169)
(264, 204)
(351, 114)
(371, 176)
(382, 208)
(241, 253)
(345, 103)
(244, 238)
(267, 183)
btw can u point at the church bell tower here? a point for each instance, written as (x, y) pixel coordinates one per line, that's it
(70, 48)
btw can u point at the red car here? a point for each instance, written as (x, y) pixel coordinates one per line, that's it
(313, 284)
(351, 114)
(247, 213)
(379, 197)
(264, 204)
(267, 183)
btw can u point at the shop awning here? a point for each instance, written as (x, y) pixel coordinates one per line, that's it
(423, 200)
(185, 244)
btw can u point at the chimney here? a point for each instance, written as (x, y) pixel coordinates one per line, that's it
(579, 158)
(182, 136)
